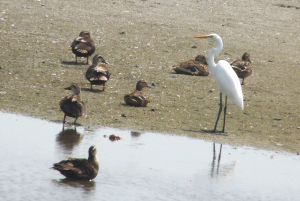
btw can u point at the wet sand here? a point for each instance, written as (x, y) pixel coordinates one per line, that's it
(143, 40)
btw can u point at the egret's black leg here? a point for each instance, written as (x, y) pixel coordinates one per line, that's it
(220, 110)
(225, 108)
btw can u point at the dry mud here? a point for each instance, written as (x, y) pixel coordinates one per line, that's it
(143, 39)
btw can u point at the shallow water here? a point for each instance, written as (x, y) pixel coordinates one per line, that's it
(145, 166)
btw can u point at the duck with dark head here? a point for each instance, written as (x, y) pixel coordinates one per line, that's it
(197, 67)
(243, 68)
(72, 105)
(97, 73)
(80, 168)
(137, 97)
(83, 46)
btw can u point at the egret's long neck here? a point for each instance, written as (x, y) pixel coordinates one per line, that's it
(211, 58)
(212, 52)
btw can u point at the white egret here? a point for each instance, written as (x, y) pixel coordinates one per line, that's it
(228, 81)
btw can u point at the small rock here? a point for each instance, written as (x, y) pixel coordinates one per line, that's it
(135, 133)
(113, 137)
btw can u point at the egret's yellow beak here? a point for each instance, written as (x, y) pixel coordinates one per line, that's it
(205, 36)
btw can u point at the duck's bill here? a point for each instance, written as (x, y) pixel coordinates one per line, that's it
(67, 88)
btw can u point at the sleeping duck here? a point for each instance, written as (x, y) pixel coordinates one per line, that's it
(193, 67)
(79, 168)
(72, 105)
(98, 74)
(83, 46)
(137, 97)
(242, 67)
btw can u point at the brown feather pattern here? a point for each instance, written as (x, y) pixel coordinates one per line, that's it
(83, 46)
(72, 105)
(243, 68)
(137, 97)
(97, 74)
(79, 168)
(197, 67)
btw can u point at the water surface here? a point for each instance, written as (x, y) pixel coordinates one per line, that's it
(141, 166)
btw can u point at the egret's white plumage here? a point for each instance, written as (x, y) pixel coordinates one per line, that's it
(227, 80)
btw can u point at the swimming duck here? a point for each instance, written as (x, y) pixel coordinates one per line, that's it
(193, 67)
(242, 67)
(98, 74)
(83, 46)
(79, 168)
(137, 97)
(72, 105)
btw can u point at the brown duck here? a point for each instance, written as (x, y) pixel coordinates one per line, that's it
(98, 74)
(72, 105)
(137, 97)
(242, 67)
(197, 67)
(83, 46)
(79, 168)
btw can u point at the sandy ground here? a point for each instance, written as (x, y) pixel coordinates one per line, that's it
(143, 39)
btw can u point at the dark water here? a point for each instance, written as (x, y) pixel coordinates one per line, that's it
(144, 166)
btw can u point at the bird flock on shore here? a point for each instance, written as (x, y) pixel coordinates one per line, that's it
(227, 77)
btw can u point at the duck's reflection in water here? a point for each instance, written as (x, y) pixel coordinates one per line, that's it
(86, 185)
(68, 138)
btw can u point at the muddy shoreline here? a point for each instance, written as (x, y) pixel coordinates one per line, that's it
(143, 40)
